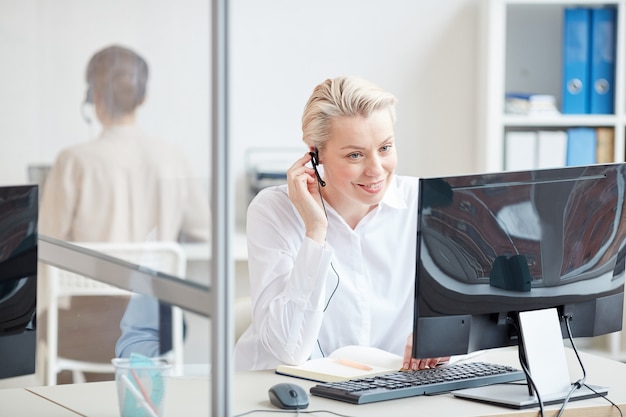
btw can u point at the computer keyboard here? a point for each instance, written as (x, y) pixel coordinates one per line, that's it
(401, 384)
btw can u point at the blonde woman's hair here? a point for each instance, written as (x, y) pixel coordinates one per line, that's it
(344, 96)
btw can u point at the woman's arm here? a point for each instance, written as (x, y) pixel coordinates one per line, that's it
(287, 277)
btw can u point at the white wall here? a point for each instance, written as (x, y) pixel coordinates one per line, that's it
(45, 46)
(422, 51)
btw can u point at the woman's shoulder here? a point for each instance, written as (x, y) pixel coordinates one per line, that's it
(271, 197)
(272, 205)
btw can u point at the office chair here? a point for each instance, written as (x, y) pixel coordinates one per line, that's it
(166, 257)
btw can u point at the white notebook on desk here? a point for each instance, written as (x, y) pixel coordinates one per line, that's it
(345, 363)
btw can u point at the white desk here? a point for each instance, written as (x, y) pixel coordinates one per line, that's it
(18, 402)
(199, 263)
(190, 397)
(202, 251)
(252, 386)
(99, 399)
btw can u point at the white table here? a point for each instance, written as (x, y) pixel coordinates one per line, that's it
(190, 397)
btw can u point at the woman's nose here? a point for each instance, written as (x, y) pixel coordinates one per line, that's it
(374, 166)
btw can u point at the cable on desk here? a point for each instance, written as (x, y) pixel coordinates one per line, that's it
(581, 382)
(296, 412)
(578, 384)
(600, 394)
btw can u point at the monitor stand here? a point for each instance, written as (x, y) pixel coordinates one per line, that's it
(542, 344)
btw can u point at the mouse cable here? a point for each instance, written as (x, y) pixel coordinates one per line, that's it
(296, 412)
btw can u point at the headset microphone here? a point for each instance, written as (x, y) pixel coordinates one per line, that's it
(315, 162)
(84, 106)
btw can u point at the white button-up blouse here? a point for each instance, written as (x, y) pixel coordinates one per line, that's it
(309, 299)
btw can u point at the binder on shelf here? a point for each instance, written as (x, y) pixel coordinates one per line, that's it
(551, 148)
(576, 50)
(602, 71)
(520, 150)
(605, 137)
(581, 146)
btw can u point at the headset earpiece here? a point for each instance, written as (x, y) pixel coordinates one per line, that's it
(89, 95)
(315, 161)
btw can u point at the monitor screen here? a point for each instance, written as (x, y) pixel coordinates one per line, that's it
(492, 245)
(18, 279)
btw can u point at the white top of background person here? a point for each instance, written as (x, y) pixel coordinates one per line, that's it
(124, 185)
(334, 265)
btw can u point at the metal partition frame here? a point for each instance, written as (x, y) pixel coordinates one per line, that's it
(222, 204)
(122, 274)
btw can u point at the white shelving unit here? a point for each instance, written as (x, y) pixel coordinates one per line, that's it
(522, 47)
(522, 44)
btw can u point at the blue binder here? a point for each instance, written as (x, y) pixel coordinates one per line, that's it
(576, 53)
(581, 146)
(602, 77)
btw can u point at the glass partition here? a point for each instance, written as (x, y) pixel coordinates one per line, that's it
(113, 121)
(107, 107)
(110, 106)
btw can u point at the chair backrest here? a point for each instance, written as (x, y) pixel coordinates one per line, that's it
(166, 257)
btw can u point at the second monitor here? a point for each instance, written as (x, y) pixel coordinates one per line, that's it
(491, 246)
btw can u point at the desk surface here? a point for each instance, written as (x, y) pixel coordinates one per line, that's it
(192, 395)
(22, 403)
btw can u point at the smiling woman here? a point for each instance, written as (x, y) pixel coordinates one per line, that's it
(333, 264)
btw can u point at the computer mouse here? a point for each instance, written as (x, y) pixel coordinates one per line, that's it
(288, 396)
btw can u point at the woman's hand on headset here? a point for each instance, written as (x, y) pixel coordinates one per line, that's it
(306, 197)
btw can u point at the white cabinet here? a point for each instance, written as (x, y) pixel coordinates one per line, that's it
(522, 44)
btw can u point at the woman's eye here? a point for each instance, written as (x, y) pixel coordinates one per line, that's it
(354, 156)
(386, 148)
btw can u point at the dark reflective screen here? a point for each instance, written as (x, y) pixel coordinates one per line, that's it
(494, 244)
(18, 279)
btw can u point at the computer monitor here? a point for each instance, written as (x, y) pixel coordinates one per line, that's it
(492, 246)
(18, 279)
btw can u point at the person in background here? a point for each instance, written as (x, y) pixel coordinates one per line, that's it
(124, 186)
(332, 253)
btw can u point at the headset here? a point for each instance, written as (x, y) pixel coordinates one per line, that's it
(84, 106)
(315, 161)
